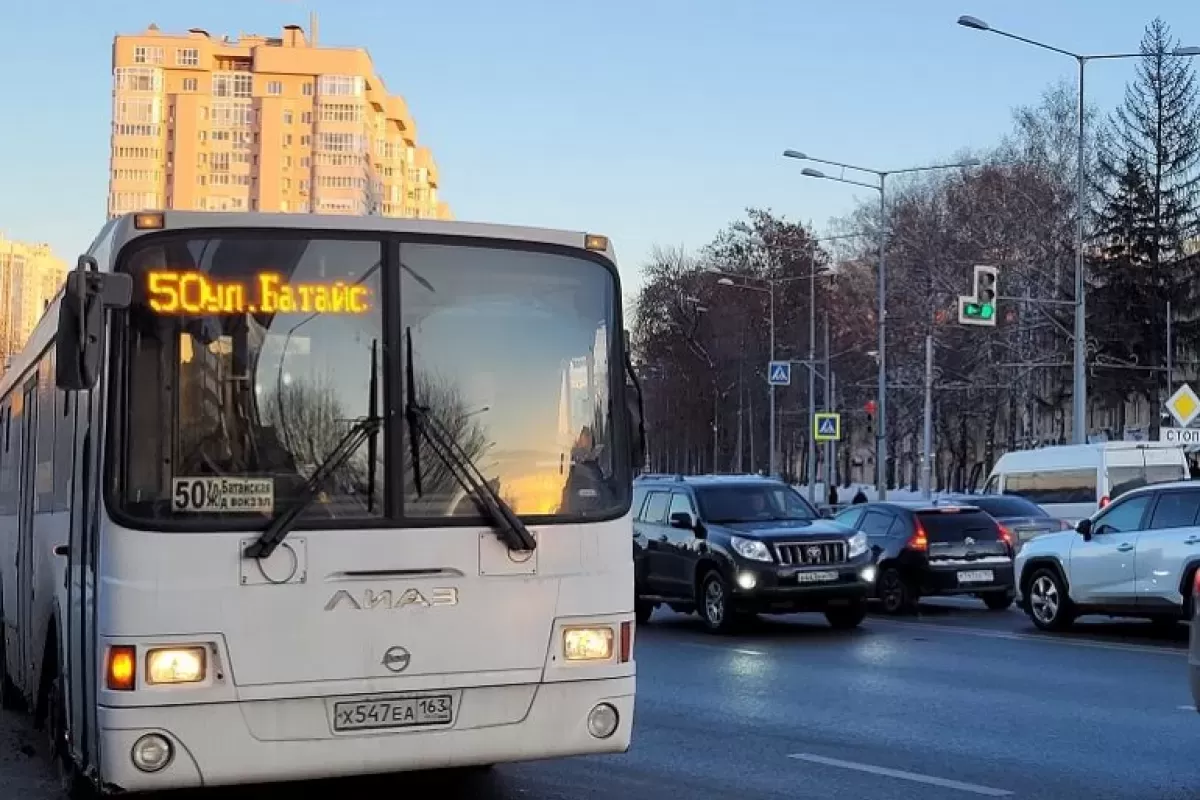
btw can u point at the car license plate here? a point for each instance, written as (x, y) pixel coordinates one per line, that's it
(397, 712)
(816, 577)
(976, 576)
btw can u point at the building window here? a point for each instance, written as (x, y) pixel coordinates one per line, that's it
(274, 87)
(287, 116)
(233, 84)
(287, 161)
(147, 55)
(190, 84)
(341, 85)
(138, 79)
(305, 141)
(341, 112)
(232, 114)
(306, 118)
(187, 57)
(306, 162)
(307, 89)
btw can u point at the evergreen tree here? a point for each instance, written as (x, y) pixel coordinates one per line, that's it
(1149, 182)
(1125, 284)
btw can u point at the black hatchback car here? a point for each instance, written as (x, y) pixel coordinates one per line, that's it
(925, 549)
(733, 546)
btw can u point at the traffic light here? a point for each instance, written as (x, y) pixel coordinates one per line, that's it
(980, 307)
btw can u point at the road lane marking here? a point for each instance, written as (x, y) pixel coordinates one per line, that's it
(743, 650)
(929, 780)
(1030, 637)
(1191, 708)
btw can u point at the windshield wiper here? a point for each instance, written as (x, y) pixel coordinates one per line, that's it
(363, 430)
(511, 529)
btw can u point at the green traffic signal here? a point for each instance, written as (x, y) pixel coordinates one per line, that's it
(986, 310)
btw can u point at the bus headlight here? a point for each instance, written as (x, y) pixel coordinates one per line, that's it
(175, 665)
(587, 644)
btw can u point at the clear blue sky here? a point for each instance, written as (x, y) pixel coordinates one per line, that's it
(654, 121)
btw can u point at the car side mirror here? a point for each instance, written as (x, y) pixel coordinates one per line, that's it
(682, 520)
(1084, 529)
(88, 294)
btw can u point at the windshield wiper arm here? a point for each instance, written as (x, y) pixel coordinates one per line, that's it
(511, 529)
(282, 524)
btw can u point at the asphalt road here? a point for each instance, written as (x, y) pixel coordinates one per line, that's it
(956, 703)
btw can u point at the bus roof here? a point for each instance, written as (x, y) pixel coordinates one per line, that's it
(126, 229)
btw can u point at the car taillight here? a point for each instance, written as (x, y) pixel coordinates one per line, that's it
(1065, 525)
(1196, 584)
(1005, 536)
(919, 540)
(1104, 501)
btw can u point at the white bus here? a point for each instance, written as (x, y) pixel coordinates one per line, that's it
(288, 497)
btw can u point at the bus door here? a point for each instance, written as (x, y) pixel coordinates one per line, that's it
(25, 555)
(80, 603)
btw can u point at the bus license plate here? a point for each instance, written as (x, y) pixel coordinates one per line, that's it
(399, 712)
(976, 576)
(816, 577)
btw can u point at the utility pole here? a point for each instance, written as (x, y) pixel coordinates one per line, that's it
(716, 411)
(830, 474)
(927, 444)
(812, 383)
(1170, 353)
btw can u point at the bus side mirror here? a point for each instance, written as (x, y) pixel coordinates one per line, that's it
(87, 295)
(637, 421)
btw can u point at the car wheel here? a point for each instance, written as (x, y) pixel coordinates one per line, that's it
(643, 609)
(894, 592)
(998, 601)
(1050, 608)
(843, 618)
(715, 607)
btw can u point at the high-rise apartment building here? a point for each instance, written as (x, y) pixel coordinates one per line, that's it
(261, 124)
(30, 276)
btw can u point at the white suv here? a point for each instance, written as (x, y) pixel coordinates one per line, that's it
(1135, 558)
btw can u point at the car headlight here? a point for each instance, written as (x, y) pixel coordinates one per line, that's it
(175, 665)
(752, 549)
(858, 544)
(588, 644)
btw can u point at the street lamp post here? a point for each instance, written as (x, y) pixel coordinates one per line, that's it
(1079, 382)
(881, 450)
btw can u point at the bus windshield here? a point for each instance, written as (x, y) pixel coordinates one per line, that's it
(247, 356)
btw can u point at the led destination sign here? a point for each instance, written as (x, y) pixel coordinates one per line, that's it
(179, 292)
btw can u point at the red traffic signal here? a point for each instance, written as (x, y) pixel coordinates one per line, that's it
(870, 407)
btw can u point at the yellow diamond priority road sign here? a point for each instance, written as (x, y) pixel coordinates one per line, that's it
(1184, 405)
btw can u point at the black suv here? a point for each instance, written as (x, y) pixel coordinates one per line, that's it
(924, 549)
(732, 546)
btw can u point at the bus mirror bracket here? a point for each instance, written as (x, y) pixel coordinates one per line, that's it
(88, 294)
(637, 419)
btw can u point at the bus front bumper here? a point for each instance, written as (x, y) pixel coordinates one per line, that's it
(265, 741)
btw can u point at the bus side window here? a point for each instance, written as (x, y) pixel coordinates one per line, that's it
(47, 419)
(8, 499)
(64, 451)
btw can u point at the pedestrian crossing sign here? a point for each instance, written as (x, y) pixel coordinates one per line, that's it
(827, 426)
(779, 373)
